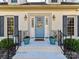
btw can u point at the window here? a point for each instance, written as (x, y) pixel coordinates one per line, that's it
(53, 0)
(13, 1)
(39, 22)
(32, 22)
(70, 25)
(10, 25)
(46, 21)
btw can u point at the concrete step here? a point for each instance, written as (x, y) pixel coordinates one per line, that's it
(39, 50)
(53, 48)
(38, 55)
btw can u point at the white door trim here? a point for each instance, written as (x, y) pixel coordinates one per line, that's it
(32, 32)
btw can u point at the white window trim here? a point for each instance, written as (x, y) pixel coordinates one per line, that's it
(75, 25)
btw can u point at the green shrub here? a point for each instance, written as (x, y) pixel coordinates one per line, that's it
(77, 46)
(4, 43)
(71, 44)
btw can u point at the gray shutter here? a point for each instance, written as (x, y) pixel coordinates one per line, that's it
(1, 25)
(16, 26)
(78, 26)
(65, 25)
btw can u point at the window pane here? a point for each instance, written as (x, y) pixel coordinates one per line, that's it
(14, 1)
(70, 26)
(10, 25)
(46, 21)
(53, 0)
(32, 22)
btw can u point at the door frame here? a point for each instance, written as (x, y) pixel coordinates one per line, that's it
(32, 15)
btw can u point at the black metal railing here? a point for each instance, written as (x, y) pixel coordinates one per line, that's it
(60, 38)
(68, 53)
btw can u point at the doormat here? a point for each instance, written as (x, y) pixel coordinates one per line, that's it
(39, 39)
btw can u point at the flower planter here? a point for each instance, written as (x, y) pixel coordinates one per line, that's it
(52, 41)
(26, 41)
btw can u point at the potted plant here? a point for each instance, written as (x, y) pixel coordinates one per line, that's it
(52, 40)
(26, 40)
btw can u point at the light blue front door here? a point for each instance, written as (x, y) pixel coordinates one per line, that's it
(39, 27)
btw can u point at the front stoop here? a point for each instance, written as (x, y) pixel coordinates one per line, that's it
(39, 50)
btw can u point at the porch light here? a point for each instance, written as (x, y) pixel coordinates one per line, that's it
(77, 9)
(53, 17)
(25, 17)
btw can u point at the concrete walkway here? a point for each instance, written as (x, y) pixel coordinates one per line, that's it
(39, 50)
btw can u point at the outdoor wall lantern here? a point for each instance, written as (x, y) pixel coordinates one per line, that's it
(77, 9)
(53, 17)
(25, 17)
